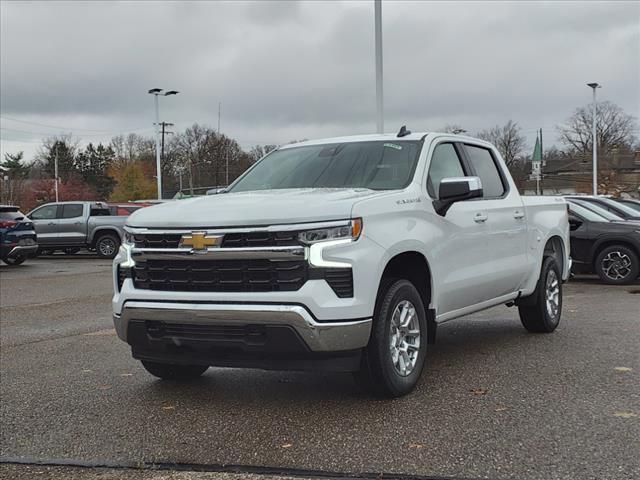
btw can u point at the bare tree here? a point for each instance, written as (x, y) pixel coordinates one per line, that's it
(614, 128)
(259, 151)
(508, 139)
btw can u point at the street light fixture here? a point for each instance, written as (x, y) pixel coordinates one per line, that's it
(594, 86)
(156, 92)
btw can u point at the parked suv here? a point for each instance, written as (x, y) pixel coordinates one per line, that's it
(610, 248)
(18, 239)
(341, 254)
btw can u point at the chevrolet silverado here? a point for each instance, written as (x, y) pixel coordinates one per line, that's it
(342, 254)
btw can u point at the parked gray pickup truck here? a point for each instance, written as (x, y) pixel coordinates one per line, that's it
(69, 226)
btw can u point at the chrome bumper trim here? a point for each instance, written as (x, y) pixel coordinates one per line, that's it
(244, 253)
(286, 227)
(22, 249)
(319, 336)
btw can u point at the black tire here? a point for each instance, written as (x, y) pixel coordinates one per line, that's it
(167, 371)
(379, 373)
(71, 250)
(535, 314)
(107, 245)
(617, 265)
(14, 260)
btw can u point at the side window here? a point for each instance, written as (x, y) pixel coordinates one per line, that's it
(45, 213)
(72, 210)
(445, 163)
(485, 167)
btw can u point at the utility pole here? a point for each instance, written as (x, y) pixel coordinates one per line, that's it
(378, 47)
(55, 170)
(164, 132)
(219, 112)
(595, 138)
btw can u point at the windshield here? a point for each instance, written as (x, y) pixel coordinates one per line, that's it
(586, 213)
(625, 208)
(378, 165)
(603, 212)
(630, 204)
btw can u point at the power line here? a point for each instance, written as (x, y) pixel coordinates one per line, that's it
(32, 132)
(65, 128)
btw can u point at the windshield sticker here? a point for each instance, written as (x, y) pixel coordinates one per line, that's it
(393, 145)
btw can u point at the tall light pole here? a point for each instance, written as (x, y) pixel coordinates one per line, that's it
(379, 91)
(156, 92)
(594, 86)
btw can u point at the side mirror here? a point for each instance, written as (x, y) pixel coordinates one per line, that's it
(574, 223)
(456, 189)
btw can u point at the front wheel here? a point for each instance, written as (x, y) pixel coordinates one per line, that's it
(393, 361)
(540, 312)
(107, 245)
(168, 371)
(617, 265)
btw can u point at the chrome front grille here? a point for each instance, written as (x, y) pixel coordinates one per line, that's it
(260, 259)
(220, 275)
(157, 240)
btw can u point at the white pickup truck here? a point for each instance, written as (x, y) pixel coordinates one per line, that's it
(342, 254)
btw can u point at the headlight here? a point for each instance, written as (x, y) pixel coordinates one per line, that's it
(352, 231)
(128, 239)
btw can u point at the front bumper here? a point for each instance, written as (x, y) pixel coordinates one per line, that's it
(317, 336)
(19, 251)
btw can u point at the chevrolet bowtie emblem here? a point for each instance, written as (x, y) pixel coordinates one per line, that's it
(200, 241)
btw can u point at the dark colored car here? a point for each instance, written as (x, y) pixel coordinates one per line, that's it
(18, 239)
(613, 206)
(630, 202)
(609, 248)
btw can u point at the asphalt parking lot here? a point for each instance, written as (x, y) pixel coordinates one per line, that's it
(494, 403)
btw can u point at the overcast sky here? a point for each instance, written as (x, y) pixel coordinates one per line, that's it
(291, 70)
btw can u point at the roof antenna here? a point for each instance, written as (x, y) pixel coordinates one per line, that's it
(403, 131)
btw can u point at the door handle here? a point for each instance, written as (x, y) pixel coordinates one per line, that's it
(518, 214)
(51, 223)
(480, 218)
(78, 223)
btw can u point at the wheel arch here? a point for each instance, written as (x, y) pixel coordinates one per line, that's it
(99, 232)
(555, 248)
(413, 266)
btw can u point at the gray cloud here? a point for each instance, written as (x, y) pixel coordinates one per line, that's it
(287, 70)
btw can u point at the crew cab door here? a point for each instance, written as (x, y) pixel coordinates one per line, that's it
(505, 218)
(45, 223)
(464, 259)
(72, 225)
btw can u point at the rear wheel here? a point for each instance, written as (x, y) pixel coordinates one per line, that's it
(167, 371)
(107, 245)
(14, 260)
(393, 361)
(617, 265)
(540, 312)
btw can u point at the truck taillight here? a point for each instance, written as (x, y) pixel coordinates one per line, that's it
(7, 223)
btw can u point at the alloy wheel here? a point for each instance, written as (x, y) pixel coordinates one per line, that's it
(616, 265)
(404, 338)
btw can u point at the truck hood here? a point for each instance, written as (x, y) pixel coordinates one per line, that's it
(265, 207)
